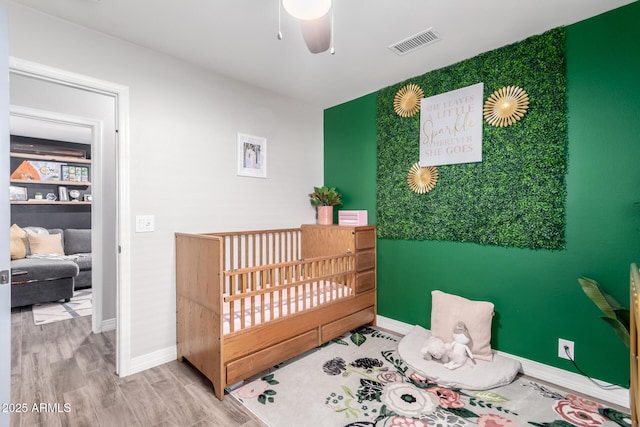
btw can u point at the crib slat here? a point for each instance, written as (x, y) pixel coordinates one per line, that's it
(232, 307)
(271, 303)
(242, 303)
(295, 292)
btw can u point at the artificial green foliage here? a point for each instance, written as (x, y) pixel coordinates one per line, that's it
(615, 315)
(515, 196)
(324, 196)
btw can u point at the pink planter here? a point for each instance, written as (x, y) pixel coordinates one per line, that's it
(325, 215)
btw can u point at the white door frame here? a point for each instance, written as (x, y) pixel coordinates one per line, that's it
(121, 95)
(97, 231)
(5, 209)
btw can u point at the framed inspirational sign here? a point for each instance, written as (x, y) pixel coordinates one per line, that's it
(451, 127)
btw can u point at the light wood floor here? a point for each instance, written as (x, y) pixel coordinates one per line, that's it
(64, 363)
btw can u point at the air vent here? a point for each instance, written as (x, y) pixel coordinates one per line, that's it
(414, 42)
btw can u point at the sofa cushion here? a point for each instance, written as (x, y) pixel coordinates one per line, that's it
(18, 242)
(45, 268)
(83, 261)
(77, 241)
(45, 244)
(39, 292)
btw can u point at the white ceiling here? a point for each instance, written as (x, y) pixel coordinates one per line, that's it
(237, 38)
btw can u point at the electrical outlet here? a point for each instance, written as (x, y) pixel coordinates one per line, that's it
(561, 349)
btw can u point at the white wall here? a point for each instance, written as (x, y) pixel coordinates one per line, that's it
(183, 125)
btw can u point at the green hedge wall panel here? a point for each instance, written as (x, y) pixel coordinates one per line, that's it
(515, 196)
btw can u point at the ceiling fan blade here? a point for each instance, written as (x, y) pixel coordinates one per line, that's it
(317, 33)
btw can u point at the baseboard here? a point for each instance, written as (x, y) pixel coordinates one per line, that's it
(108, 325)
(151, 360)
(393, 325)
(617, 395)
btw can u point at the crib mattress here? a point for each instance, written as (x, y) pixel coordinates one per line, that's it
(286, 301)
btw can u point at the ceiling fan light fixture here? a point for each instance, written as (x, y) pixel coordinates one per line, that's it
(307, 9)
(317, 33)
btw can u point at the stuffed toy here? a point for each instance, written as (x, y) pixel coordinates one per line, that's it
(458, 350)
(435, 348)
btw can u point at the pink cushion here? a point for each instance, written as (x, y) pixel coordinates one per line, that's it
(447, 310)
(50, 244)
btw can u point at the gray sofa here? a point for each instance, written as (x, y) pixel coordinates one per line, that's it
(38, 280)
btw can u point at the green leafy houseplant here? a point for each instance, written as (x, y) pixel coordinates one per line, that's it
(615, 315)
(323, 196)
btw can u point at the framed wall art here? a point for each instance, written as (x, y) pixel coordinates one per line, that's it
(17, 193)
(63, 195)
(252, 156)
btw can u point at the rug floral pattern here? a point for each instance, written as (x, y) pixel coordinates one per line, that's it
(358, 380)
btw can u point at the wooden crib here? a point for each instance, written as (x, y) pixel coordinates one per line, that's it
(249, 300)
(634, 345)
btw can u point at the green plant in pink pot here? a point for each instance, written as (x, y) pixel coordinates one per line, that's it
(324, 199)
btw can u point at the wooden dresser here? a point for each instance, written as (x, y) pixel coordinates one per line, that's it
(319, 240)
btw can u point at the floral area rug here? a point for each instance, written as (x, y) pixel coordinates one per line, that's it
(358, 380)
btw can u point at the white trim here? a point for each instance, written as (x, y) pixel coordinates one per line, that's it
(108, 325)
(151, 360)
(95, 127)
(121, 94)
(617, 395)
(393, 325)
(123, 313)
(572, 381)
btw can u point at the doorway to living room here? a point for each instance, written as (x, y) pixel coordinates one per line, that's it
(53, 97)
(52, 163)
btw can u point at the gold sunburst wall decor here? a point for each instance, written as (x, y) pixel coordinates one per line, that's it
(407, 100)
(422, 179)
(506, 106)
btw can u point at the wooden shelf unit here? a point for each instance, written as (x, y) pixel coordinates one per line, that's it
(46, 202)
(63, 183)
(34, 183)
(48, 158)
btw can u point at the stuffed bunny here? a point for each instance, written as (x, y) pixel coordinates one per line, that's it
(458, 350)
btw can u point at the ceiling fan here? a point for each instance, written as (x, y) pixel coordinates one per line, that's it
(316, 22)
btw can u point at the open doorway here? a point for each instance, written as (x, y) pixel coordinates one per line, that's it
(65, 143)
(59, 98)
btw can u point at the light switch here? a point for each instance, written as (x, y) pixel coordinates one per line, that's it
(145, 223)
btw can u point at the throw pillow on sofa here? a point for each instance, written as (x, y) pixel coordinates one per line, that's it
(50, 244)
(33, 230)
(18, 239)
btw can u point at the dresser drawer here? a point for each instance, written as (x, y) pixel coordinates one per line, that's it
(347, 323)
(365, 281)
(365, 260)
(365, 239)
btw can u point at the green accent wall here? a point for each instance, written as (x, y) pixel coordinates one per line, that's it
(535, 292)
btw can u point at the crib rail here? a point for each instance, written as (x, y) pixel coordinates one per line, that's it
(275, 291)
(247, 249)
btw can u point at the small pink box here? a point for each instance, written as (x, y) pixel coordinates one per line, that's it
(352, 217)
